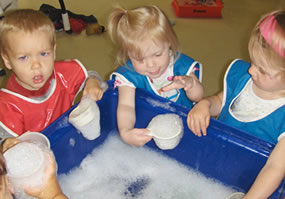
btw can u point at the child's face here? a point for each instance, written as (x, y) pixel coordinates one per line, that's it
(267, 80)
(31, 57)
(154, 61)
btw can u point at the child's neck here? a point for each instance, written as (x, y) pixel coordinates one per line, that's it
(266, 94)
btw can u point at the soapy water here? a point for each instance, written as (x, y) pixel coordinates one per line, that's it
(165, 125)
(157, 103)
(164, 105)
(116, 170)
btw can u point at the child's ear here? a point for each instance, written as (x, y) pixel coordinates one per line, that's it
(54, 51)
(6, 60)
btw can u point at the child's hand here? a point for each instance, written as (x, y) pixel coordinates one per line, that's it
(50, 188)
(198, 118)
(178, 82)
(136, 137)
(92, 88)
(8, 143)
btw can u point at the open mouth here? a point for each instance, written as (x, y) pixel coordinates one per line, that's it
(154, 73)
(38, 79)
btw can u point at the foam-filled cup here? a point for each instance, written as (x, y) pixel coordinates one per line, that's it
(86, 118)
(35, 137)
(27, 161)
(167, 130)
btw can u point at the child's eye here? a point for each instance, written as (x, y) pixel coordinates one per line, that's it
(23, 57)
(263, 71)
(139, 60)
(44, 54)
(158, 54)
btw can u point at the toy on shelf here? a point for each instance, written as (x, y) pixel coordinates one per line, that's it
(198, 8)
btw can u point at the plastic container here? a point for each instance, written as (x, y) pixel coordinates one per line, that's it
(35, 137)
(167, 130)
(226, 154)
(26, 162)
(86, 118)
(190, 8)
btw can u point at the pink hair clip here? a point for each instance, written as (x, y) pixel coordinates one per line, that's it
(267, 28)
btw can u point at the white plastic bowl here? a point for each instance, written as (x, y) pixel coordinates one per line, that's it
(166, 136)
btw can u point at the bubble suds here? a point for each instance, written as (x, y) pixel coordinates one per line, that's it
(120, 171)
(164, 105)
(165, 125)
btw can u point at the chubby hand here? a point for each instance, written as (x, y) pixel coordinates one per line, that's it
(8, 143)
(93, 88)
(178, 82)
(136, 137)
(198, 118)
(50, 188)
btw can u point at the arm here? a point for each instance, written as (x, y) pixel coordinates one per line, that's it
(198, 118)
(271, 174)
(191, 85)
(126, 118)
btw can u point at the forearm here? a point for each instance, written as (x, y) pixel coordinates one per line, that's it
(271, 174)
(265, 184)
(126, 118)
(214, 103)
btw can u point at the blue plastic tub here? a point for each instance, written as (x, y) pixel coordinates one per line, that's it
(225, 154)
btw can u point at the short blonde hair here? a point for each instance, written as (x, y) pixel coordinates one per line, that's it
(129, 29)
(26, 20)
(271, 52)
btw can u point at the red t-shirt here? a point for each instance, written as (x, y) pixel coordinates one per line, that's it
(23, 110)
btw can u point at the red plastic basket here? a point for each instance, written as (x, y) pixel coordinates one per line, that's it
(195, 8)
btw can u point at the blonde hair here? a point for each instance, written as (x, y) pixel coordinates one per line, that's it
(129, 29)
(26, 20)
(267, 40)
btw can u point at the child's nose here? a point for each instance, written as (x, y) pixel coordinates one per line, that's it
(36, 64)
(150, 63)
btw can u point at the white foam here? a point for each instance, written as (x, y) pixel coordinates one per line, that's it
(23, 159)
(165, 125)
(116, 170)
(72, 142)
(164, 105)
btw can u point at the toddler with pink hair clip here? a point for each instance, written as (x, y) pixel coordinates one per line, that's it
(253, 99)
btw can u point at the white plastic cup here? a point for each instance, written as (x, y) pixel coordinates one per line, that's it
(35, 137)
(171, 136)
(26, 162)
(86, 118)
